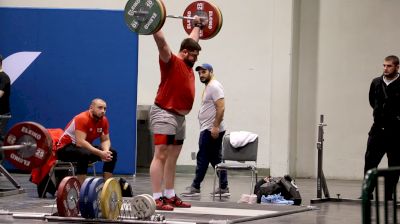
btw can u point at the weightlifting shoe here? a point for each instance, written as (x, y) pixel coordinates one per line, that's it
(176, 202)
(161, 205)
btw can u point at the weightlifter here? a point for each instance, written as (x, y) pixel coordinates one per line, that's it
(174, 100)
(75, 144)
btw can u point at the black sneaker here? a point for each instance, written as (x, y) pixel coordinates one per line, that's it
(191, 192)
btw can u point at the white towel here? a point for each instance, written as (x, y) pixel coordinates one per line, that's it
(241, 138)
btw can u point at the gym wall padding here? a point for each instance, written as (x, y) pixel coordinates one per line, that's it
(85, 54)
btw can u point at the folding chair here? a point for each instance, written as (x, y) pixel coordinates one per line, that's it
(243, 158)
(69, 166)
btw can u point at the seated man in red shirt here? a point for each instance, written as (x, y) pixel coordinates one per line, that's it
(75, 144)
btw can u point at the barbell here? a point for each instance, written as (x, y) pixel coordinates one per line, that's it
(27, 145)
(146, 17)
(100, 199)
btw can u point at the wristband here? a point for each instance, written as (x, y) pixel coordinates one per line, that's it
(201, 26)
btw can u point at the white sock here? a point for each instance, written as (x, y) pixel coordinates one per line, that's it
(157, 195)
(169, 193)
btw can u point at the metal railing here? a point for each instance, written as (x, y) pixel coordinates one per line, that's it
(389, 208)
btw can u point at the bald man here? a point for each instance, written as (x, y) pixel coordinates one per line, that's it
(75, 145)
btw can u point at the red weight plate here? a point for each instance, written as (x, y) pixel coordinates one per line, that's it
(203, 8)
(68, 196)
(30, 157)
(220, 22)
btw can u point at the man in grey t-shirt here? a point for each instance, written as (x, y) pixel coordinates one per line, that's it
(212, 130)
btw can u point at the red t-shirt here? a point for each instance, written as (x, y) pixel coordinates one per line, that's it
(176, 90)
(85, 123)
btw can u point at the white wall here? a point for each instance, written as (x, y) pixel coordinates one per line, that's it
(245, 54)
(341, 52)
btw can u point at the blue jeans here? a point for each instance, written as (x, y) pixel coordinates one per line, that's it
(209, 152)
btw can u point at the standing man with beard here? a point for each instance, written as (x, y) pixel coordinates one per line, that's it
(384, 136)
(212, 131)
(174, 100)
(75, 144)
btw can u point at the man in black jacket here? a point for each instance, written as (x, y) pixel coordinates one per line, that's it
(384, 136)
(5, 88)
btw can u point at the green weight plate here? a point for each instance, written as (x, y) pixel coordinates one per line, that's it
(163, 15)
(144, 17)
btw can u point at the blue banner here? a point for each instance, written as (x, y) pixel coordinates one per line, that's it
(62, 59)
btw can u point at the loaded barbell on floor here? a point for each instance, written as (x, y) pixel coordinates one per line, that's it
(146, 17)
(100, 199)
(27, 145)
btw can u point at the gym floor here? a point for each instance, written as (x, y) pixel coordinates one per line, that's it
(320, 213)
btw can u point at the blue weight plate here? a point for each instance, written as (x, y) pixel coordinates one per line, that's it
(83, 196)
(93, 207)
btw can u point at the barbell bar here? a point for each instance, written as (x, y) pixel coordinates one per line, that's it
(138, 14)
(18, 147)
(146, 17)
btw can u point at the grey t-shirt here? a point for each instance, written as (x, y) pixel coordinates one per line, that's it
(213, 92)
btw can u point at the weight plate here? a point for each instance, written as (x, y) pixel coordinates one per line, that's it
(38, 139)
(152, 201)
(93, 208)
(68, 196)
(142, 207)
(163, 15)
(83, 196)
(203, 8)
(220, 22)
(111, 199)
(144, 17)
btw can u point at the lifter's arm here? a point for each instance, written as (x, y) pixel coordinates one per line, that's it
(195, 34)
(81, 142)
(163, 48)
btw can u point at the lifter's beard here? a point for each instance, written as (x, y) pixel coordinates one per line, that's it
(391, 75)
(96, 117)
(189, 63)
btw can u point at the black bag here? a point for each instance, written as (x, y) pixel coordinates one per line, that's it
(126, 188)
(275, 185)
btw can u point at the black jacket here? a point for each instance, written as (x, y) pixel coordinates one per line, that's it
(385, 101)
